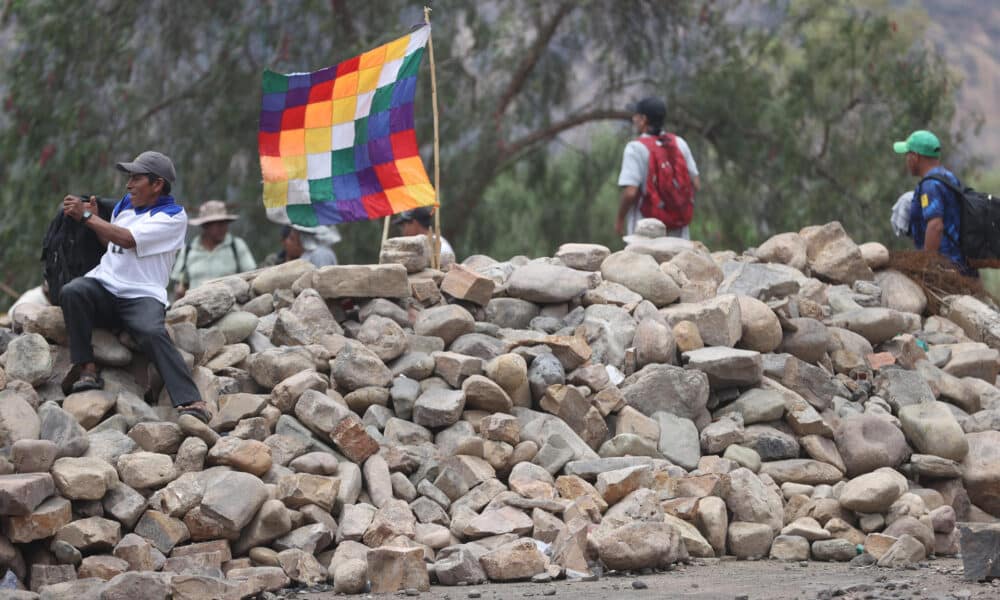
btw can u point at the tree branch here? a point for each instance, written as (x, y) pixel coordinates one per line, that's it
(525, 142)
(532, 58)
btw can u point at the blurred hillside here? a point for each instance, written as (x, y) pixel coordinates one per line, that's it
(966, 31)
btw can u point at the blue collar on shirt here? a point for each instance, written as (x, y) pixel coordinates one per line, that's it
(164, 204)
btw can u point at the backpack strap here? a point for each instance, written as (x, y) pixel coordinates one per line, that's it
(185, 277)
(236, 256)
(959, 194)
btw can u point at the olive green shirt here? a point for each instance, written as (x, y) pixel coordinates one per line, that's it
(201, 265)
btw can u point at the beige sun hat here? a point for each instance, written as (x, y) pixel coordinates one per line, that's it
(212, 211)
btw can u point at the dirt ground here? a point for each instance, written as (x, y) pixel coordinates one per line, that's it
(731, 580)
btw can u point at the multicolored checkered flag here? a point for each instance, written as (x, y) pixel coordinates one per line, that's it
(338, 144)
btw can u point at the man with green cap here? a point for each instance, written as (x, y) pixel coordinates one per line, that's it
(935, 212)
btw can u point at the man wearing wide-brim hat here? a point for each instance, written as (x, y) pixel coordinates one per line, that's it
(215, 253)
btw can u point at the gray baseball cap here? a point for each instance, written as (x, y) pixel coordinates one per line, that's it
(150, 162)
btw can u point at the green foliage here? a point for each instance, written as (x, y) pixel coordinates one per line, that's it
(541, 204)
(789, 107)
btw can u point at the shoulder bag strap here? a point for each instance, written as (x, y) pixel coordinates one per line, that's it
(958, 196)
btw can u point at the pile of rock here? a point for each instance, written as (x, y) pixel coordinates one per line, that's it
(382, 427)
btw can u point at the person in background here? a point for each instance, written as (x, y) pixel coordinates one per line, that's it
(935, 212)
(418, 221)
(314, 244)
(214, 253)
(648, 116)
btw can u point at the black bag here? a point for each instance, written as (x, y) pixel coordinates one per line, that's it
(979, 229)
(70, 249)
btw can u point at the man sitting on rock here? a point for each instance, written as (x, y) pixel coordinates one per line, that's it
(128, 287)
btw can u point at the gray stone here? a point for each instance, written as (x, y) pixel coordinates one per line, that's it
(21, 494)
(760, 281)
(679, 440)
(726, 367)
(718, 320)
(545, 370)
(875, 324)
(547, 284)
(689, 397)
(356, 367)
(511, 313)
(836, 550)
(867, 442)
(833, 256)
(756, 406)
(446, 322)
(18, 419)
(770, 443)
(60, 427)
(641, 274)
(233, 499)
(29, 359)
(932, 429)
(808, 341)
(790, 548)
(437, 408)
(362, 281)
(583, 257)
(901, 388)
(749, 540)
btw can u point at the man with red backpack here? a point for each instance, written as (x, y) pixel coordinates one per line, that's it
(659, 176)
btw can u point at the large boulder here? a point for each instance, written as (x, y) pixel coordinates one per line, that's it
(833, 256)
(760, 281)
(981, 470)
(641, 274)
(640, 545)
(979, 321)
(868, 441)
(718, 319)
(784, 248)
(726, 367)
(750, 500)
(873, 492)
(761, 330)
(29, 359)
(901, 293)
(932, 429)
(18, 420)
(688, 399)
(546, 284)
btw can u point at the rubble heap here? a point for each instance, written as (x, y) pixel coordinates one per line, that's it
(384, 427)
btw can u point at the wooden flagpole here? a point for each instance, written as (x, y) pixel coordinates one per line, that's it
(437, 144)
(385, 236)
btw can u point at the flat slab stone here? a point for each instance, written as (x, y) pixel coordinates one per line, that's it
(590, 469)
(362, 281)
(981, 552)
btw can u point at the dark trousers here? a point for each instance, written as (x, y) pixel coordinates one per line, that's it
(87, 304)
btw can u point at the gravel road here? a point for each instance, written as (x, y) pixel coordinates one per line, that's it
(736, 580)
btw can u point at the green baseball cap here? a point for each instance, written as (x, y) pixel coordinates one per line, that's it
(921, 142)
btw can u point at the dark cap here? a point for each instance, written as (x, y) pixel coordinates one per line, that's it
(421, 215)
(653, 108)
(150, 162)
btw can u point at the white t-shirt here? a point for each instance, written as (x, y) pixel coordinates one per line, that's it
(143, 271)
(635, 164)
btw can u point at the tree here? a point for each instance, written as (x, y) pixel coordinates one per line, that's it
(786, 105)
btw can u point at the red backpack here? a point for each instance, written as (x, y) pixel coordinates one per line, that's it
(668, 194)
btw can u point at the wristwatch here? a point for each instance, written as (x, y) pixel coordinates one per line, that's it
(86, 215)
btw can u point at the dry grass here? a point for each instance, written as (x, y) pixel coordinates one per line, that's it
(937, 276)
